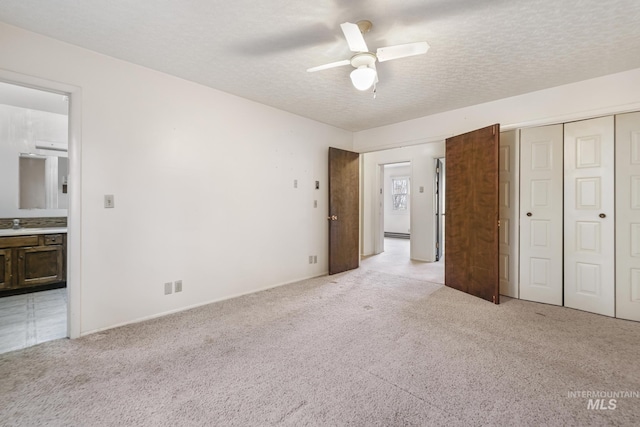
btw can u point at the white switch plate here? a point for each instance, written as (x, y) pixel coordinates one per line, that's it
(109, 201)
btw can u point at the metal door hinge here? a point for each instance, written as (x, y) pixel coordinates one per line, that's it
(494, 299)
(498, 223)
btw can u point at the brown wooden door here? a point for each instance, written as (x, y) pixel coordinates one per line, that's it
(344, 210)
(471, 232)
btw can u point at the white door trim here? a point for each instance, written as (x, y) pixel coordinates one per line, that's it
(74, 219)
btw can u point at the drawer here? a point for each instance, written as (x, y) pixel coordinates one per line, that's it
(19, 241)
(53, 239)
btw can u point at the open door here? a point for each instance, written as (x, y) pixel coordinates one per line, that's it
(344, 210)
(471, 231)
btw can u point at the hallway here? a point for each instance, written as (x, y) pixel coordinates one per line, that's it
(395, 260)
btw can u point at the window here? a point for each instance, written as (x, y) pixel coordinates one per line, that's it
(400, 192)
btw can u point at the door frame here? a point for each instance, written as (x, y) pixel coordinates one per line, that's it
(74, 212)
(438, 205)
(381, 194)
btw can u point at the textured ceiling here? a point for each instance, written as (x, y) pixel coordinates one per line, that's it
(480, 50)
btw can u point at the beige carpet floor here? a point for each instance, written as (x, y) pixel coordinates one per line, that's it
(363, 348)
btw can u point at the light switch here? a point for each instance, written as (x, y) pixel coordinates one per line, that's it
(421, 189)
(108, 201)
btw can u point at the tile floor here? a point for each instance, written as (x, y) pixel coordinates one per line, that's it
(31, 319)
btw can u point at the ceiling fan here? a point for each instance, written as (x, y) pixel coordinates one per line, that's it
(365, 75)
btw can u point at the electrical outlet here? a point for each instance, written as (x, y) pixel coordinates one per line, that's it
(167, 288)
(109, 201)
(317, 185)
(178, 285)
(295, 183)
(315, 259)
(310, 259)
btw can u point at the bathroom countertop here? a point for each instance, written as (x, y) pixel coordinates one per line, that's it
(31, 231)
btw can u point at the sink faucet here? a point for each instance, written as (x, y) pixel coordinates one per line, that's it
(16, 224)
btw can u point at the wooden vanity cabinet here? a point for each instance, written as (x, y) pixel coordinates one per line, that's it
(33, 260)
(5, 268)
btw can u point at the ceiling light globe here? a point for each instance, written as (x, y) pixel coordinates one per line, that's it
(363, 77)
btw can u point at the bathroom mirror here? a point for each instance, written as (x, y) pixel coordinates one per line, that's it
(43, 182)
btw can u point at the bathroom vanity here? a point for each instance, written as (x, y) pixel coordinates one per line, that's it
(32, 258)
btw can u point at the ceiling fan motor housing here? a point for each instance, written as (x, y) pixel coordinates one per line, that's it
(363, 58)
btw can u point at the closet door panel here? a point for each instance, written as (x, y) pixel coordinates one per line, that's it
(508, 178)
(628, 216)
(541, 167)
(589, 221)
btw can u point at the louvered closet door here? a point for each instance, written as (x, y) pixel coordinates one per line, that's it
(541, 221)
(589, 281)
(628, 216)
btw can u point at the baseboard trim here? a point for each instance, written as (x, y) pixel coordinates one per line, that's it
(189, 307)
(397, 235)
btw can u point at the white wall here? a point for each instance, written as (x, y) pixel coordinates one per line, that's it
(590, 98)
(422, 204)
(203, 185)
(20, 128)
(395, 221)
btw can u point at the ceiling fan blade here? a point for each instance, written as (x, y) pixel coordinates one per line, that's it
(401, 51)
(327, 66)
(354, 37)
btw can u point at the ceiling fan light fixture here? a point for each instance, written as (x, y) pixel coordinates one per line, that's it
(363, 77)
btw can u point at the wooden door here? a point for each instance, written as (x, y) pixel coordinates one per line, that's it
(508, 179)
(344, 210)
(541, 219)
(471, 232)
(589, 272)
(628, 216)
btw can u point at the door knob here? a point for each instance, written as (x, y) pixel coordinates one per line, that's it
(529, 213)
(602, 215)
(332, 218)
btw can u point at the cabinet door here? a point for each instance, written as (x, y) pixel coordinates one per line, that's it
(5, 268)
(40, 265)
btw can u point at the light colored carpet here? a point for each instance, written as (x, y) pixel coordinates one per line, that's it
(362, 348)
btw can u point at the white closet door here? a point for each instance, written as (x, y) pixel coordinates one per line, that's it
(541, 168)
(508, 213)
(628, 216)
(589, 280)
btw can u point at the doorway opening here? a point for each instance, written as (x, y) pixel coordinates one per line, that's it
(396, 207)
(35, 200)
